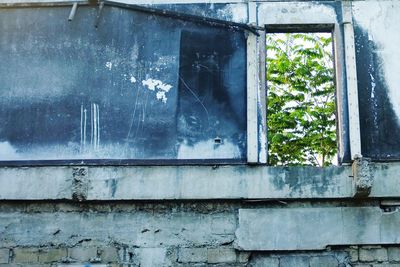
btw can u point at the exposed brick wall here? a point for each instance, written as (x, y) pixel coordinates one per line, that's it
(115, 255)
(352, 256)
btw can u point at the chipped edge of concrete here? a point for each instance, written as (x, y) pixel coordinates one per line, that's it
(105, 183)
(362, 176)
(80, 183)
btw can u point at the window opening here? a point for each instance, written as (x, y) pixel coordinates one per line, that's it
(301, 99)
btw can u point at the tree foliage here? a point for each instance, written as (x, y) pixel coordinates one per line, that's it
(301, 99)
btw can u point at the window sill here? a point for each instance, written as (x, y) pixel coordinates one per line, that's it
(109, 183)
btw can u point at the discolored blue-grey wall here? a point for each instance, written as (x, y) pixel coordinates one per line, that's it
(137, 86)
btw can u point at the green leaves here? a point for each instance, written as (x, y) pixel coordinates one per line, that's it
(301, 99)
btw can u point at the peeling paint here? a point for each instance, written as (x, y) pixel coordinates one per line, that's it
(7, 151)
(234, 12)
(162, 88)
(109, 65)
(380, 19)
(208, 149)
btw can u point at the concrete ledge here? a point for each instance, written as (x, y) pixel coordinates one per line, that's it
(315, 228)
(193, 182)
(38, 183)
(177, 182)
(386, 180)
(145, 229)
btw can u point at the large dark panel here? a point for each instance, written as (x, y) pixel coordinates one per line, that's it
(379, 128)
(139, 86)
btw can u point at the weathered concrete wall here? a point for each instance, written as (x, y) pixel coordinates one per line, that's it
(177, 182)
(378, 58)
(315, 228)
(175, 234)
(192, 182)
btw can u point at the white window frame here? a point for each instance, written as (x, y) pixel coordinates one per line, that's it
(344, 52)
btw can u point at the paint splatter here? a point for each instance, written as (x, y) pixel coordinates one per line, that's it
(161, 96)
(157, 85)
(109, 65)
(380, 19)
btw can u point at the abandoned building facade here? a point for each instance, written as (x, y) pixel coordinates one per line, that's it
(111, 155)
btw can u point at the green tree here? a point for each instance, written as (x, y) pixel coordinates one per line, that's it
(301, 99)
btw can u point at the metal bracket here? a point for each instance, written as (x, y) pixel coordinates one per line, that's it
(362, 176)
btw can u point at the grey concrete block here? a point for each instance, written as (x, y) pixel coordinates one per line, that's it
(373, 254)
(362, 177)
(221, 255)
(80, 183)
(325, 261)
(291, 261)
(186, 255)
(108, 254)
(386, 265)
(315, 228)
(25, 255)
(121, 227)
(126, 255)
(4, 255)
(35, 183)
(386, 180)
(394, 253)
(223, 224)
(353, 253)
(150, 257)
(196, 182)
(264, 261)
(224, 182)
(52, 255)
(82, 254)
(242, 256)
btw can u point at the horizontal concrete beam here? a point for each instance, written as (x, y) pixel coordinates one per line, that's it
(386, 180)
(139, 228)
(296, 12)
(315, 228)
(36, 183)
(192, 182)
(224, 182)
(175, 182)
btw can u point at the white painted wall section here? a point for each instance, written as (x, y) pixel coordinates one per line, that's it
(381, 20)
(295, 13)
